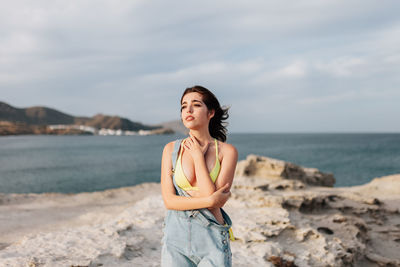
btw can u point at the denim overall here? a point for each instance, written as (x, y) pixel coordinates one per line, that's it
(194, 237)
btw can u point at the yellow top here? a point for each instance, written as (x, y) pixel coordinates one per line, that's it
(183, 182)
(180, 177)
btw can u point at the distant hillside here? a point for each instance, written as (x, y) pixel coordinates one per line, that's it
(48, 116)
(175, 125)
(113, 122)
(33, 115)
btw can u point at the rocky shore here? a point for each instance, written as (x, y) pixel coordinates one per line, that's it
(283, 215)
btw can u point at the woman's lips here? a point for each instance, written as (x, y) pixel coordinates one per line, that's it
(189, 118)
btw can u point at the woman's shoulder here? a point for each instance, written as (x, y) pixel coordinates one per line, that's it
(226, 148)
(170, 146)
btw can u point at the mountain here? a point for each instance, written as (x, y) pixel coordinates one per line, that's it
(112, 122)
(175, 125)
(33, 117)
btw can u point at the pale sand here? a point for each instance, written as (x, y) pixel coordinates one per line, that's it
(22, 214)
(274, 220)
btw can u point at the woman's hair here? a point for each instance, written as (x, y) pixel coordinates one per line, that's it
(216, 127)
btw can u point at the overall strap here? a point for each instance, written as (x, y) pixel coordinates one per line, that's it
(175, 152)
(179, 191)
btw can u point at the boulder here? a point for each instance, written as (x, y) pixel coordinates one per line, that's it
(275, 169)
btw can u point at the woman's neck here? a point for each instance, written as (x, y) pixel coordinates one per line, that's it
(202, 136)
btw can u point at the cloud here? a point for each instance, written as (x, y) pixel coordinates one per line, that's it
(345, 96)
(344, 66)
(122, 57)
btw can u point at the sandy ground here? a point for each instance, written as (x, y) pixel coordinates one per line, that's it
(22, 214)
(276, 222)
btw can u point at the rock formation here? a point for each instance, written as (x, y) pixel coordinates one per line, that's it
(274, 169)
(280, 218)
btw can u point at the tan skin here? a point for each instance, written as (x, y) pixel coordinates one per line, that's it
(198, 159)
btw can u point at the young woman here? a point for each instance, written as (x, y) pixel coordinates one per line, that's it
(196, 176)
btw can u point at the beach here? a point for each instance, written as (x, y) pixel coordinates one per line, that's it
(283, 215)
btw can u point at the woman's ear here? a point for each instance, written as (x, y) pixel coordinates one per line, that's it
(211, 113)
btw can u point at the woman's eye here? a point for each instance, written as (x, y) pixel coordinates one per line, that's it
(197, 105)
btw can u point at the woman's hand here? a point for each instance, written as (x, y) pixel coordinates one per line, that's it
(194, 148)
(219, 197)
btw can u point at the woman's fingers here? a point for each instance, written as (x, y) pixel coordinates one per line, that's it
(186, 145)
(220, 196)
(193, 139)
(224, 187)
(188, 142)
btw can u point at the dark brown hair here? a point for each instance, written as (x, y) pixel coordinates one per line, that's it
(216, 127)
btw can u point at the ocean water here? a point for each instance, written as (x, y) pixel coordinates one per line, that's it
(72, 164)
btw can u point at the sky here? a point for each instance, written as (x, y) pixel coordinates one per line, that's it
(280, 66)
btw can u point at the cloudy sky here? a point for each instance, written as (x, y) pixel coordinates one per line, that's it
(281, 66)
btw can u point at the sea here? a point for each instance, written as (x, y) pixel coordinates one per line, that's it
(73, 164)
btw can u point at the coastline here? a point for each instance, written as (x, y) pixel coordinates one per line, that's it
(276, 221)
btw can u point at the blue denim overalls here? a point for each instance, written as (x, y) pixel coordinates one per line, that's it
(194, 237)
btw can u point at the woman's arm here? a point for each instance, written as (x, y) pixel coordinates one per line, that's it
(204, 182)
(226, 173)
(228, 166)
(172, 201)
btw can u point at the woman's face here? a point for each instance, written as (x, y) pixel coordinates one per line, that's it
(194, 112)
